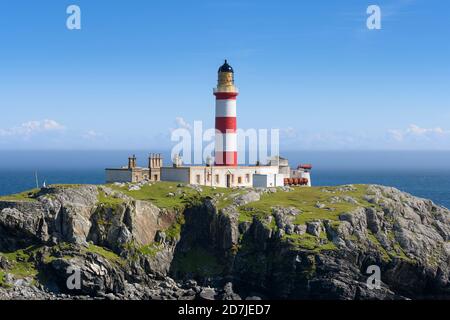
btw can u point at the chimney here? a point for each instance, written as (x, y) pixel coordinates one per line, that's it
(160, 160)
(132, 162)
(155, 161)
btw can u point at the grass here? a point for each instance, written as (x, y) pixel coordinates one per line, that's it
(21, 266)
(385, 256)
(23, 196)
(50, 258)
(399, 253)
(65, 186)
(150, 249)
(174, 231)
(109, 202)
(305, 200)
(228, 198)
(158, 194)
(107, 205)
(105, 253)
(247, 213)
(134, 250)
(53, 254)
(3, 283)
(309, 242)
(30, 195)
(59, 251)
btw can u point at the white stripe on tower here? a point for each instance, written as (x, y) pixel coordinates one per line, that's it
(226, 108)
(226, 139)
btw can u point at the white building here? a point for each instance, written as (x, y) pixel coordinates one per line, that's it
(301, 175)
(268, 180)
(219, 176)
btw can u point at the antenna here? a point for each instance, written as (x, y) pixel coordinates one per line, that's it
(37, 181)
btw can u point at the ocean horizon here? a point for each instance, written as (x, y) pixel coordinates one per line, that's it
(422, 174)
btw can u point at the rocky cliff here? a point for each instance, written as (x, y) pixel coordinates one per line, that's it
(172, 241)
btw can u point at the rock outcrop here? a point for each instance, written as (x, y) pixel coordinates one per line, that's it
(201, 244)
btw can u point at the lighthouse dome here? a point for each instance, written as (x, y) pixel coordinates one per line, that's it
(226, 67)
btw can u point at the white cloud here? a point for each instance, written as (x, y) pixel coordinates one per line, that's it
(396, 135)
(413, 137)
(414, 132)
(49, 125)
(292, 138)
(289, 133)
(181, 123)
(29, 128)
(92, 135)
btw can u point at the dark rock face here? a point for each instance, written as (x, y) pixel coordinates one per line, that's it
(98, 275)
(217, 256)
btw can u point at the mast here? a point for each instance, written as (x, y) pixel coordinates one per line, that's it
(36, 178)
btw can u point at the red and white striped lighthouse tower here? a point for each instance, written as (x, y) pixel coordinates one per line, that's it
(226, 135)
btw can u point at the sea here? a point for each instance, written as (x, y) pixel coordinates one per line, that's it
(424, 174)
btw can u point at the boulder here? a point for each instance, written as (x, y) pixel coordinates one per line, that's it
(320, 205)
(246, 198)
(228, 293)
(314, 228)
(207, 294)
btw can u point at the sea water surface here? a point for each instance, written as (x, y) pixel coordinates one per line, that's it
(422, 174)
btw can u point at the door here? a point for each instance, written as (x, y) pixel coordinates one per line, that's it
(228, 180)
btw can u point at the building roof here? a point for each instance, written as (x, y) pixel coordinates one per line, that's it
(226, 68)
(220, 167)
(128, 169)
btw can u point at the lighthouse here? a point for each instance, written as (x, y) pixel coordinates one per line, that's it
(226, 135)
(225, 172)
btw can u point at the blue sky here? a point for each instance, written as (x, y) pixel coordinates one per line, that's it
(138, 69)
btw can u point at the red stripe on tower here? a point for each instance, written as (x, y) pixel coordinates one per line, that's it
(226, 139)
(226, 95)
(226, 124)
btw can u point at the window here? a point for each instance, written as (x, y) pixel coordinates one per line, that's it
(217, 178)
(198, 179)
(232, 178)
(208, 177)
(155, 177)
(247, 178)
(239, 180)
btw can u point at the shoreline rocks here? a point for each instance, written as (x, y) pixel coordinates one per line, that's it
(132, 249)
